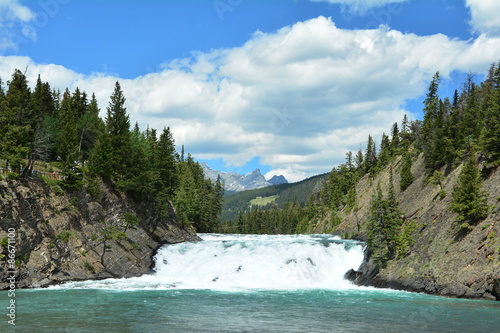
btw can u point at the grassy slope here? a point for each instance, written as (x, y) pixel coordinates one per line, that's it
(299, 192)
(262, 201)
(444, 260)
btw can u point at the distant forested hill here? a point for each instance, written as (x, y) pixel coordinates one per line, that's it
(291, 192)
(425, 198)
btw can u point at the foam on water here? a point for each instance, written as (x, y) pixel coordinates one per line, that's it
(245, 262)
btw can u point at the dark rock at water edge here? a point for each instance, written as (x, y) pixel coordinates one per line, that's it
(442, 257)
(59, 235)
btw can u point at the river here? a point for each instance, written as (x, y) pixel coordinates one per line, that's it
(246, 283)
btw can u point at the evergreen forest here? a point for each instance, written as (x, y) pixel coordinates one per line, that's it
(460, 129)
(60, 138)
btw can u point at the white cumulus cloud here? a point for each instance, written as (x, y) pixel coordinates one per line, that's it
(14, 19)
(298, 98)
(485, 16)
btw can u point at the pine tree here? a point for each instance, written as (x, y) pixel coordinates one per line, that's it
(142, 177)
(68, 140)
(16, 132)
(431, 103)
(2, 91)
(187, 200)
(370, 160)
(384, 224)
(490, 136)
(68, 143)
(435, 149)
(359, 160)
(79, 102)
(385, 152)
(396, 140)
(118, 129)
(454, 132)
(405, 134)
(470, 201)
(101, 163)
(42, 106)
(349, 161)
(431, 109)
(406, 174)
(89, 128)
(167, 160)
(378, 240)
(471, 120)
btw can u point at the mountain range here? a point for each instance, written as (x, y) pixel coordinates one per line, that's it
(237, 183)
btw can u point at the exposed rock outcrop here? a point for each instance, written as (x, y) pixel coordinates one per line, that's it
(276, 180)
(62, 236)
(444, 258)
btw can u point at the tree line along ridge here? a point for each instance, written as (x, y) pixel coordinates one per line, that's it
(46, 132)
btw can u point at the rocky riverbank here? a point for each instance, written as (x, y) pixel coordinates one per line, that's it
(62, 235)
(443, 259)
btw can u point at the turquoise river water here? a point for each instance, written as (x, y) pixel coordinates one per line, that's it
(245, 283)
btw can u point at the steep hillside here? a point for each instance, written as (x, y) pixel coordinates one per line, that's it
(444, 259)
(283, 193)
(57, 236)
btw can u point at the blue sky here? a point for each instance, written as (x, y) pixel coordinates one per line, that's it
(132, 38)
(287, 86)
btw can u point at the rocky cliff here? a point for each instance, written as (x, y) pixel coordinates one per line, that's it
(444, 258)
(62, 236)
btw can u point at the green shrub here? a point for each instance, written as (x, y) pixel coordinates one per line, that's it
(58, 190)
(94, 188)
(89, 267)
(466, 226)
(74, 201)
(4, 242)
(51, 182)
(64, 236)
(13, 175)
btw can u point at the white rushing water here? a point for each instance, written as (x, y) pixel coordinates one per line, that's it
(239, 262)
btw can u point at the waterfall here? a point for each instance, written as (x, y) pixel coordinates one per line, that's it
(239, 262)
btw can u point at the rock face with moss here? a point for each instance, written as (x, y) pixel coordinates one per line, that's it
(439, 254)
(63, 236)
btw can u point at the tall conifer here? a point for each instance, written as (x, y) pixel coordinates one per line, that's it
(406, 174)
(118, 129)
(470, 201)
